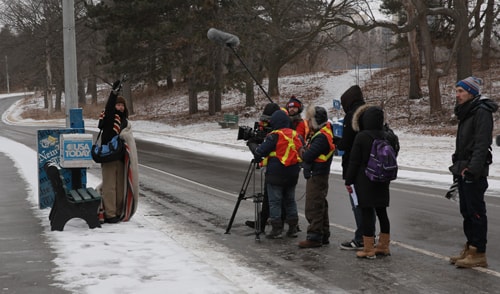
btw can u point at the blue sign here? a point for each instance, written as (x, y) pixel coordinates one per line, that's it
(75, 150)
(49, 150)
(336, 104)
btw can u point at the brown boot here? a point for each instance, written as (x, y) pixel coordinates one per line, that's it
(368, 250)
(383, 245)
(310, 244)
(462, 254)
(473, 259)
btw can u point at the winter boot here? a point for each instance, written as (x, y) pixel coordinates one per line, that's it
(277, 230)
(292, 228)
(368, 250)
(473, 259)
(462, 254)
(310, 244)
(383, 245)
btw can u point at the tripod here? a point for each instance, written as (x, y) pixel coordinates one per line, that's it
(256, 197)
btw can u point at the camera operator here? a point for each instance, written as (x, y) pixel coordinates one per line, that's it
(263, 126)
(281, 151)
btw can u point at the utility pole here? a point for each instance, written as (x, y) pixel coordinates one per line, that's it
(70, 78)
(7, 74)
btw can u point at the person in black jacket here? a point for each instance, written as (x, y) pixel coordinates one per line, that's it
(112, 121)
(264, 125)
(280, 151)
(470, 167)
(373, 197)
(351, 100)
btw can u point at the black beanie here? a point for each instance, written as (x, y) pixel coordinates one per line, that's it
(320, 115)
(270, 108)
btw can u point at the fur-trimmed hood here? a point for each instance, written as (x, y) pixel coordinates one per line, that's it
(368, 117)
(317, 115)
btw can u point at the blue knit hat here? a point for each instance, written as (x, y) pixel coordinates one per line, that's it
(471, 85)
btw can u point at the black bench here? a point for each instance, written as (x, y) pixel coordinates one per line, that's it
(229, 121)
(78, 203)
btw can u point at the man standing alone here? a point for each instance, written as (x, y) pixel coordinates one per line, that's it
(470, 167)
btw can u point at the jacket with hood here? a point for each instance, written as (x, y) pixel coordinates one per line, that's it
(474, 137)
(276, 172)
(369, 122)
(351, 100)
(319, 145)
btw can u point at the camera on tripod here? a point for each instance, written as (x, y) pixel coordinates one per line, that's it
(257, 134)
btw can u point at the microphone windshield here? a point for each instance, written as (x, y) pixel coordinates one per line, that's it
(223, 38)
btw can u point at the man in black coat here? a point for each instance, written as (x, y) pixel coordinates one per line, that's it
(470, 167)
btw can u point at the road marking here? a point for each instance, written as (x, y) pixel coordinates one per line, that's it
(406, 246)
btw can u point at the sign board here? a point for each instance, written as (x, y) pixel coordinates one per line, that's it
(75, 150)
(336, 104)
(48, 142)
(338, 130)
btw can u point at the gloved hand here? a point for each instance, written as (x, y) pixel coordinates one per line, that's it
(117, 86)
(252, 146)
(468, 176)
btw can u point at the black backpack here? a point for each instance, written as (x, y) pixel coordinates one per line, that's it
(393, 139)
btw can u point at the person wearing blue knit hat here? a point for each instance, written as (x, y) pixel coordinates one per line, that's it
(470, 168)
(472, 85)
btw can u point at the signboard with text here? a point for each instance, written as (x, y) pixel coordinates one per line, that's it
(48, 142)
(75, 150)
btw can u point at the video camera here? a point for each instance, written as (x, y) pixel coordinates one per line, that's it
(257, 134)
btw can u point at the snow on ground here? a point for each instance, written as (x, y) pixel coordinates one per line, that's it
(159, 256)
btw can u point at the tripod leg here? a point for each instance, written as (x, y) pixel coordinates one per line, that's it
(241, 196)
(258, 215)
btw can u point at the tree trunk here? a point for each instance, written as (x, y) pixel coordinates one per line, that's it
(193, 96)
(170, 79)
(48, 73)
(211, 101)
(415, 68)
(464, 50)
(432, 71)
(127, 94)
(219, 81)
(92, 88)
(249, 93)
(273, 75)
(81, 92)
(59, 91)
(488, 29)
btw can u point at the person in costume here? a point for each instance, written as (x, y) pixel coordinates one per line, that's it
(120, 183)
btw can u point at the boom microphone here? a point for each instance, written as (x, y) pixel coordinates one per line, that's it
(231, 41)
(223, 38)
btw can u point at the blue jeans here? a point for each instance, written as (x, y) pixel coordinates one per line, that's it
(473, 210)
(279, 196)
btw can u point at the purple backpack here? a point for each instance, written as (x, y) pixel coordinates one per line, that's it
(382, 165)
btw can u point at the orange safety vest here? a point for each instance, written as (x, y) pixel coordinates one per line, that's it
(327, 131)
(287, 147)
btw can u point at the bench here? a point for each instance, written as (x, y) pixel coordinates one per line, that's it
(229, 121)
(78, 203)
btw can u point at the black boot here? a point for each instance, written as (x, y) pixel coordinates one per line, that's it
(292, 228)
(277, 231)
